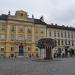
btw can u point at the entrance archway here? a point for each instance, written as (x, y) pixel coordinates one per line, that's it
(21, 50)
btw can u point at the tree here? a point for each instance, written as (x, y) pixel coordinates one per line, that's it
(48, 44)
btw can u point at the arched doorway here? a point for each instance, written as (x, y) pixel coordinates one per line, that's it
(21, 50)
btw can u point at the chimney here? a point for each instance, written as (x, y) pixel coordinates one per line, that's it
(42, 18)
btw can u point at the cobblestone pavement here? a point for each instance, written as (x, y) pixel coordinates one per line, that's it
(65, 66)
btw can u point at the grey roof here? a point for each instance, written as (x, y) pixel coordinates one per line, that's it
(3, 17)
(38, 21)
(60, 27)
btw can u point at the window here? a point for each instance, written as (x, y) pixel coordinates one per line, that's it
(12, 48)
(68, 35)
(29, 49)
(49, 33)
(58, 34)
(41, 30)
(65, 35)
(54, 33)
(37, 38)
(71, 35)
(13, 28)
(62, 42)
(21, 28)
(20, 38)
(65, 42)
(61, 34)
(68, 42)
(13, 37)
(41, 36)
(21, 14)
(29, 31)
(36, 30)
(36, 49)
(2, 37)
(58, 42)
(29, 37)
(37, 55)
(2, 28)
(72, 43)
(2, 49)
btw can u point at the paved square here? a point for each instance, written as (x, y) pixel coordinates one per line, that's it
(65, 66)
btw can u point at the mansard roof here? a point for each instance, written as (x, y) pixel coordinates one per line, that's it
(38, 21)
(3, 17)
(7, 17)
(60, 27)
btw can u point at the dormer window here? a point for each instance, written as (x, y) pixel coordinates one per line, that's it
(21, 14)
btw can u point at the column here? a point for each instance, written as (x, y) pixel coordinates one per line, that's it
(7, 51)
(42, 52)
(17, 49)
(25, 38)
(33, 39)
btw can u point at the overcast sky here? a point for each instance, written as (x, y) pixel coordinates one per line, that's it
(54, 11)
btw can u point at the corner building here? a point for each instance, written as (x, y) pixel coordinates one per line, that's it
(19, 34)
(64, 36)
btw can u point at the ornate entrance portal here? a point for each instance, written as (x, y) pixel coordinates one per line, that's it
(21, 50)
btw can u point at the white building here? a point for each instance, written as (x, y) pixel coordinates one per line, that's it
(64, 36)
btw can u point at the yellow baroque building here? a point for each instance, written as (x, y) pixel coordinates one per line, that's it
(19, 34)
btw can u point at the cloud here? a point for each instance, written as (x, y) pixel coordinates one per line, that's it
(63, 12)
(56, 11)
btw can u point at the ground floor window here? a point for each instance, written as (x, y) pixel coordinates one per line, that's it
(29, 48)
(12, 48)
(2, 49)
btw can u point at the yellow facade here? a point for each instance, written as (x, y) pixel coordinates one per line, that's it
(19, 32)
